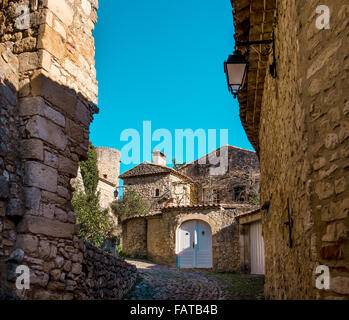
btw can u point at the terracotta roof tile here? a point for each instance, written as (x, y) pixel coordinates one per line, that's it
(147, 168)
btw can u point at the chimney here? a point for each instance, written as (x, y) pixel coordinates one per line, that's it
(159, 158)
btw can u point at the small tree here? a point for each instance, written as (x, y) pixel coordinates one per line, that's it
(130, 205)
(176, 165)
(96, 224)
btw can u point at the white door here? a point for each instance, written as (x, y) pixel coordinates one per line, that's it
(204, 245)
(186, 245)
(257, 248)
(194, 245)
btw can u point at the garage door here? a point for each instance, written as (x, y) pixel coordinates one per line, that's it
(257, 248)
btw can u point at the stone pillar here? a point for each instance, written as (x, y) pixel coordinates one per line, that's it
(57, 96)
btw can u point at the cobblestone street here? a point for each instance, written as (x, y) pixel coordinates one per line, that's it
(157, 282)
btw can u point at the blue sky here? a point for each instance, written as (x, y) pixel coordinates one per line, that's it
(162, 61)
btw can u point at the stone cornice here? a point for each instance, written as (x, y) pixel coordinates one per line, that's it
(253, 20)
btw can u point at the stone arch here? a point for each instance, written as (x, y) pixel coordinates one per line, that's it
(196, 216)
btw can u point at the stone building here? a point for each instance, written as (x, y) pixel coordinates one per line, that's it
(48, 96)
(237, 184)
(108, 164)
(158, 184)
(298, 123)
(181, 229)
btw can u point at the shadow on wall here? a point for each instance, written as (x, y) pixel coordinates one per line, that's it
(44, 131)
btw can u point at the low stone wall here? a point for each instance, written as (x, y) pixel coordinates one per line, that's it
(155, 236)
(134, 237)
(105, 276)
(69, 269)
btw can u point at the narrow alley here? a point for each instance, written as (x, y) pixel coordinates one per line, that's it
(157, 282)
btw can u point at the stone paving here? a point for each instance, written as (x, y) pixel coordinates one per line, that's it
(157, 282)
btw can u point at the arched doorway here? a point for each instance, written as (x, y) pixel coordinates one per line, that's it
(194, 245)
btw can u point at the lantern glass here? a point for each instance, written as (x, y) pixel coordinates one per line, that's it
(236, 71)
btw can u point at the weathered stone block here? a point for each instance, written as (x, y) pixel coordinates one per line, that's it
(340, 185)
(51, 41)
(324, 190)
(340, 285)
(41, 225)
(39, 279)
(40, 176)
(82, 113)
(27, 44)
(58, 95)
(59, 261)
(86, 7)
(4, 188)
(32, 149)
(75, 131)
(68, 166)
(48, 210)
(30, 106)
(28, 61)
(58, 27)
(54, 116)
(28, 243)
(71, 217)
(67, 266)
(323, 58)
(15, 208)
(335, 232)
(76, 268)
(8, 94)
(51, 159)
(56, 286)
(332, 252)
(39, 127)
(55, 274)
(63, 192)
(44, 249)
(46, 295)
(62, 10)
(61, 215)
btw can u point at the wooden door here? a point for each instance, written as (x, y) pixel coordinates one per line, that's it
(257, 248)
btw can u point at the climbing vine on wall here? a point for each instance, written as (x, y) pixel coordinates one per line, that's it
(95, 223)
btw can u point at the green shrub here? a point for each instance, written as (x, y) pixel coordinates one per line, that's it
(130, 205)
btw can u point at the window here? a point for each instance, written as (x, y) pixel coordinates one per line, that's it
(213, 195)
(256, 187)
(216, 197)
(238, 194)
(157, 192)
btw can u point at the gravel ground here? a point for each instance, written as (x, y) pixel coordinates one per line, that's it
(157, 282)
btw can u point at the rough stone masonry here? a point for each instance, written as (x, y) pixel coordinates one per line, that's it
(47, 97)
(298, 122)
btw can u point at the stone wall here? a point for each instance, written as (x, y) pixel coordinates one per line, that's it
(11, 188)
(134, 237)
(157, 234)
(305, 168)
(105, 276)
(48, 95)
(235, 184)
(169, 186)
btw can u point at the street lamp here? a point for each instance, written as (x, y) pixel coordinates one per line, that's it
(236, 71)
(236, 67)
